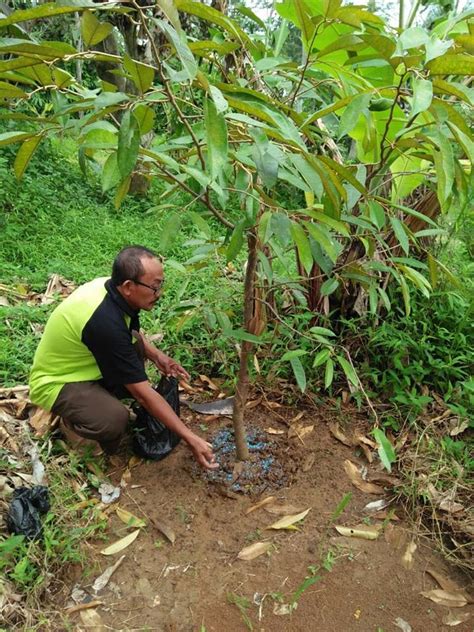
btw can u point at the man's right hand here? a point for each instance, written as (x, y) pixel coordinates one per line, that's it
(203, 454)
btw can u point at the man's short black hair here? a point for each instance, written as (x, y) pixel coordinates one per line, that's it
(128, 265)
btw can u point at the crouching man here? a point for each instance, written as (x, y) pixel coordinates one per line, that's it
(91, 354)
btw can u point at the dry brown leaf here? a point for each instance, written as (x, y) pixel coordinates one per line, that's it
(288, 522)
(460, 426)
(360, 438)
(253, 403)
(41, 421)
(126, 478)
(299, 431)
(444, 582)
(297, 417)
(134, 461)
(254, 550)
(261, 503)
(93, 620)
(272, 405)
(237, 470)
(129, 519)
(309, 462)
(356, 479)
(274, 431)
(210, 384)
(283, 510)
(403, 625)
(445, 598)
(367, 453)
(336, 432)
(450, 506)
(407, 557)
(121, 544)
(103, 579)
(164, 529)
(360, 531)
(454, 618)
(387, 479)
(187, 387)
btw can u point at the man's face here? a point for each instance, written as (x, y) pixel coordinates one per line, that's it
(143, 293)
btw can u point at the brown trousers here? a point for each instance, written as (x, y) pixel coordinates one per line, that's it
(92, 412)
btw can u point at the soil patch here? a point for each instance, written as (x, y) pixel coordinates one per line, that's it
(311, 578)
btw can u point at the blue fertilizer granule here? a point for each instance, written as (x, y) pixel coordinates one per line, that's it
(260, 472)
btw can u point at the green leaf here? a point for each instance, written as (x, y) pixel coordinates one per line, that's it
(338, 226)
(7, 138)
(341, 506)
(43, 11)
(170, 231)
(200, 222)
(323, 238)
(413, 38)
(145, 116)
(452, 64)
(169, 9)
(180, 43)
(219, 99)
(236, 241)
(328, 373)
(323, 331)
(111, 175)
(128, 143)
(400, 234)
(321, 357)
(122, 191)
(241, 334)
(24, 155)
(302, 245)
(417, 279)
(422, 96)
(373, 300)
(444, 163)
(348, 371)
(216, 136)
(92, 30)
(385, 299)
(329, 286)
(351, 114)
(377, 214)
(141, 74)
(385, 449)
(405, 294)
(294, 353)
(299, 372)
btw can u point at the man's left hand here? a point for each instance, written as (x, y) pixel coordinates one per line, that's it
(170, 367)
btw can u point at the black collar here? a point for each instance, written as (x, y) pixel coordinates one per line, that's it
(120, 301)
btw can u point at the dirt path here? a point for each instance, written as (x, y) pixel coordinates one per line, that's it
(363, 585)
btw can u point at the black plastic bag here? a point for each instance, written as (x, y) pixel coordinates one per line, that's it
(23, 516)
(152, 439)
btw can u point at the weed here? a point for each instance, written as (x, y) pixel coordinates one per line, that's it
(243, 604)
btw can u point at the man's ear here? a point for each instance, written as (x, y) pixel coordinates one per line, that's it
(126, 287)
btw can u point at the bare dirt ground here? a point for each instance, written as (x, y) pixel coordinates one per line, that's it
(363, 585)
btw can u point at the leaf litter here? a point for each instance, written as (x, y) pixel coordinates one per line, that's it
(254, 550)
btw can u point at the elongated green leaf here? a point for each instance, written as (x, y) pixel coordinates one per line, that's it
(422, 96)
(344, 172)
(122, 191)
(452, 64)
(180, 43)
(385, 299)
(338, 226)
(400, 233)
(24, 155)
(10, 91)
(418, 279)
(329, 286)
(128, 143)
(323, 238)
(169, 9)
(216, 135)
(299, 373)
(351, 114)
(8, 138)
(328, 373)
(47, 52)
(294, 353)
(170, 231)
(444, 162)
(141, 74)
(241, 334)
(145, 116)
(236, 241)
(111, 175)
(348, 370)
(321, 357)
(46, 10)
(92, 30)
(406, 294)
(385, 449)
(323, 331)
(302, 245)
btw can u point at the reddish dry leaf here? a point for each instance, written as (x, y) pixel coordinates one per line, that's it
(209, 383)
(41, 421)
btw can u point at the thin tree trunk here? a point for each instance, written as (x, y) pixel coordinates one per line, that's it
(242, 387)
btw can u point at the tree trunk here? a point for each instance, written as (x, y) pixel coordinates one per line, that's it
(242, 387)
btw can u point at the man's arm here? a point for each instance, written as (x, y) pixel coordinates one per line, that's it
(158, 407)
(164, 363)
